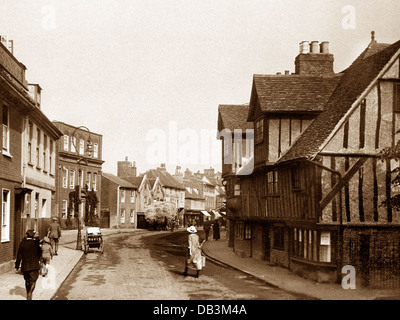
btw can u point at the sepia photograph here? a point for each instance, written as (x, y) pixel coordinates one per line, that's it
(199, 158)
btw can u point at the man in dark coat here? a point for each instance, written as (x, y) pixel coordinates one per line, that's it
(207, 228)
(54, 233)
(216, 235)
(29, 254)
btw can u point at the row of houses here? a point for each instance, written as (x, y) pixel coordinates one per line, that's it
(193, 196)
(313, 194)
(45, 166)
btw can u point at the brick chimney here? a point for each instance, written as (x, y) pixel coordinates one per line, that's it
(178, 174)
(188, 174)
(126, 169)
(314, 59)
(35, 91)
(162, 167)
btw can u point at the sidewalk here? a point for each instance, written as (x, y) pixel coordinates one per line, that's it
(287, 280)
(12, 285)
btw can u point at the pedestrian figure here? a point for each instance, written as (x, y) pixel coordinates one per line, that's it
(207, 228)
(47, 255)
(216, 235)
(193, 255)
(54, 233)
(28, 257)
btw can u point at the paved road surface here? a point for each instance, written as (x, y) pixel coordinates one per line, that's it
(148, 266)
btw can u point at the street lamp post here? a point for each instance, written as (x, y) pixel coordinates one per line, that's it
(78, 188)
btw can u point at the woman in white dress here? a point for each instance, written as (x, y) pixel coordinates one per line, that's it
(193, 256)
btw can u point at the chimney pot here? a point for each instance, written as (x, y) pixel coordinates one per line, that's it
(278, 73)
(304, 47)
(314, 47)
(287, 72)
(324, 47)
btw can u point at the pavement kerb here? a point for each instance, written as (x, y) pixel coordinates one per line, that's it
(230, 266)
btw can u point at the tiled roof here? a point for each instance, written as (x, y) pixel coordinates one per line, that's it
(166, 179)
(294, 93)
(234, 117)
(373, 48)
(135, 181)
(193, 183)
(119, 181)
(352, 84)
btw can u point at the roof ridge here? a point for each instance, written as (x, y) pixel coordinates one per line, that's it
(353, 83)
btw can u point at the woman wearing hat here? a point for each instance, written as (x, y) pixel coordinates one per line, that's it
(194, 251)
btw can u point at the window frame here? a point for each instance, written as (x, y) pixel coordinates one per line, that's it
(38, 145)
(72, 178)
(272, 182)
(5, 215)
(123, 195)
(123, 215)
(65, 177)
(81, 147)
(64, 215)
(30, 139)
(66, 143)
(396, 98)
(5, 129)
(259, 130)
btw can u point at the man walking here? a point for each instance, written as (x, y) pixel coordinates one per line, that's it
(54, 233)
(29, 254)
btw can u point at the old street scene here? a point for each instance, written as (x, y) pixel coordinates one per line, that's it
(208, 151)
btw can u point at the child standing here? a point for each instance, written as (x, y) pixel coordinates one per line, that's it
(47, 255)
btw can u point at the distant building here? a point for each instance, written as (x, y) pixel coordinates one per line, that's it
(79, 163)
(119, 201)
(195, 202)
(166, 188)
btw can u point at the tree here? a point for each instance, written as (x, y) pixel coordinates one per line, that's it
(74, 201)
(90, 206)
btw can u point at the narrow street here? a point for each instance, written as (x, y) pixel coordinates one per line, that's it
(148, 265)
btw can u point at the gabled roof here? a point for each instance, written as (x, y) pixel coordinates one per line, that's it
(166, 179)
(355, 80)
(119, 181)
(373, 48)
(136, 181)
(233, 117)
(291, 93)
(191, 185)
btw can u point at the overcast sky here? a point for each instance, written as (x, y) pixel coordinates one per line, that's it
(151, 73)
